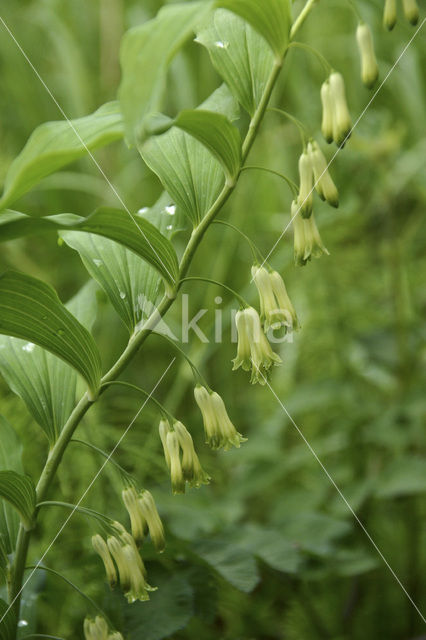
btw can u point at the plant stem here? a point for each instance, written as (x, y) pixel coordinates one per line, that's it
(302, 17)
(57, 451)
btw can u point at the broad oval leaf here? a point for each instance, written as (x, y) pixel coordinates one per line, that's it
(217, 134)
(271, 18)
(10, 458)
(146, 53)
(240, 55)
(46, 383)
(188, 171)
(131, 284)
(133, 232)
(54, 144)
(31, 310)
(20, 492)
(232, 562)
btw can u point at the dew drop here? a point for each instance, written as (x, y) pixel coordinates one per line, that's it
(22, 623)
(97, 262)
(28, 347)
(171, 210)
(221, 45)
(122, 295)
(143, 210)
(169, 227)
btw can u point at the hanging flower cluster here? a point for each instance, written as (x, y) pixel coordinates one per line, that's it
(144, 517)
(218, 428)
(123, 563)
(181, 457)
(410, 8)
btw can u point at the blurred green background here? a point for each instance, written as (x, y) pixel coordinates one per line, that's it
(269, 550)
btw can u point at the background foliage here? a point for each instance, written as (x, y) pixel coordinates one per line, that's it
(268, 550)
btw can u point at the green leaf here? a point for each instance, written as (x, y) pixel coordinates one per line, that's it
(402, 477)
(232, 562)
(130, 283)
(32, 311)
(54, 144)
(8, 621)
(240, 55)
(271, 18)
(134, 232)
(170, 608)
(20, 492)
(187, 169)
(10, 458)
(146, 53)
(45, 383)
(217, 134)
(270, 546)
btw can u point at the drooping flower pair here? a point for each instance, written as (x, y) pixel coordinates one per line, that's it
(411, 12)
(181, 457)
(314, 174)
(276, 309)
(144, 517)
(307, 239)
(97, 629)
(123, 563)
(336, 120)
(218, 428)
(253, 350)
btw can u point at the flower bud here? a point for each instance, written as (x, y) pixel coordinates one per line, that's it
(305, 198)
(253, 349)
(96, 629)
(191, 467)
(116, 549)
(283, 300)
(342, 123)
(137, 522)
(116, 635)
(327, 112)
(163, 430)
(411, 11)
(101, 548)
(153, 520)
(369, 68)
(176, 473)
(324, 184)
(218, 428)
(389, 14)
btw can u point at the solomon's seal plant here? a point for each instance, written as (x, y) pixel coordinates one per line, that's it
(47, 349)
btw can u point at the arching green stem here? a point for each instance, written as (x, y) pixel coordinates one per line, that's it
(240, 299)
(302, 17)
(73, 507)
(302, 45)
(195, 370)
(42, 567)
(300, 126)
(254, 249)
(290, 183)
(129, 385)
(102, 453)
